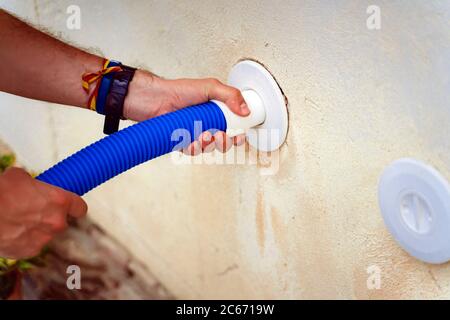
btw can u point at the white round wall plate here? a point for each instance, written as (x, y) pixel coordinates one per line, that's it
(414, 200)
(271, 134)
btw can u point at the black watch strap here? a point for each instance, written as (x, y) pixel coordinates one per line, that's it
(116, 97)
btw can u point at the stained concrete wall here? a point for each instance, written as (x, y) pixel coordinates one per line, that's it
(358, 99)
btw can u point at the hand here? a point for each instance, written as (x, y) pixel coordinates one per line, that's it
(150, 96)
(32, 213)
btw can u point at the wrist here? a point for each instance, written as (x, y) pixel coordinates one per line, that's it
(92, 65)
(115, 100)
(105, 86)
(142, 93)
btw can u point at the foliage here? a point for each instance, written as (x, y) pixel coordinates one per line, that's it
(6, 160)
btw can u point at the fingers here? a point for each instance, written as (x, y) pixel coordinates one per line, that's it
(207, 142)
(33, 212)
(222, 141)
(231, 96)
(32, 244)
(39, 239)
(65, 205)
(78, 206)
(204, 143)
(193, 149)
(192, 91)
(239, 140)
(55, 224)
(61, 203)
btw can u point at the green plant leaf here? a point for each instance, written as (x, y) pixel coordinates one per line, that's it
(25, 265)
(6, 161)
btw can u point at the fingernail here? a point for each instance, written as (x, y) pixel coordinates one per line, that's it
(244, 109)
(207, 136)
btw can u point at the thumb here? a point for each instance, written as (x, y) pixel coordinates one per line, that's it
(231, 96)
(78, 207)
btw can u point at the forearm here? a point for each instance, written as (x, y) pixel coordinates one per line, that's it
(37, 66)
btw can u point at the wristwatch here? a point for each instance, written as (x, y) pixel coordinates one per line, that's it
(116, 98)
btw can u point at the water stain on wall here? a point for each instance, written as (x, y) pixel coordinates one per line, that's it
(278, 228)
(259, 220)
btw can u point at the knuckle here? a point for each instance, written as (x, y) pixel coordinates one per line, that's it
(235, 92)
(214, 81)
(235, 95)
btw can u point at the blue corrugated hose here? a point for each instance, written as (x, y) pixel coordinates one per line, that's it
(114, 154)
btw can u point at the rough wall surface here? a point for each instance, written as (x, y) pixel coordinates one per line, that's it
(358, 99)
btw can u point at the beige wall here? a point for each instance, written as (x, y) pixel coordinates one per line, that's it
(358, 99)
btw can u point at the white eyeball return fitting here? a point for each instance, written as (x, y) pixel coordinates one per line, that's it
(414, 200)
(266, 126)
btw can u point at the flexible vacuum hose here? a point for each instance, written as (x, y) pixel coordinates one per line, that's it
(114, 154)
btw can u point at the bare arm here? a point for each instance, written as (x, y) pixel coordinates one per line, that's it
(37, 66)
